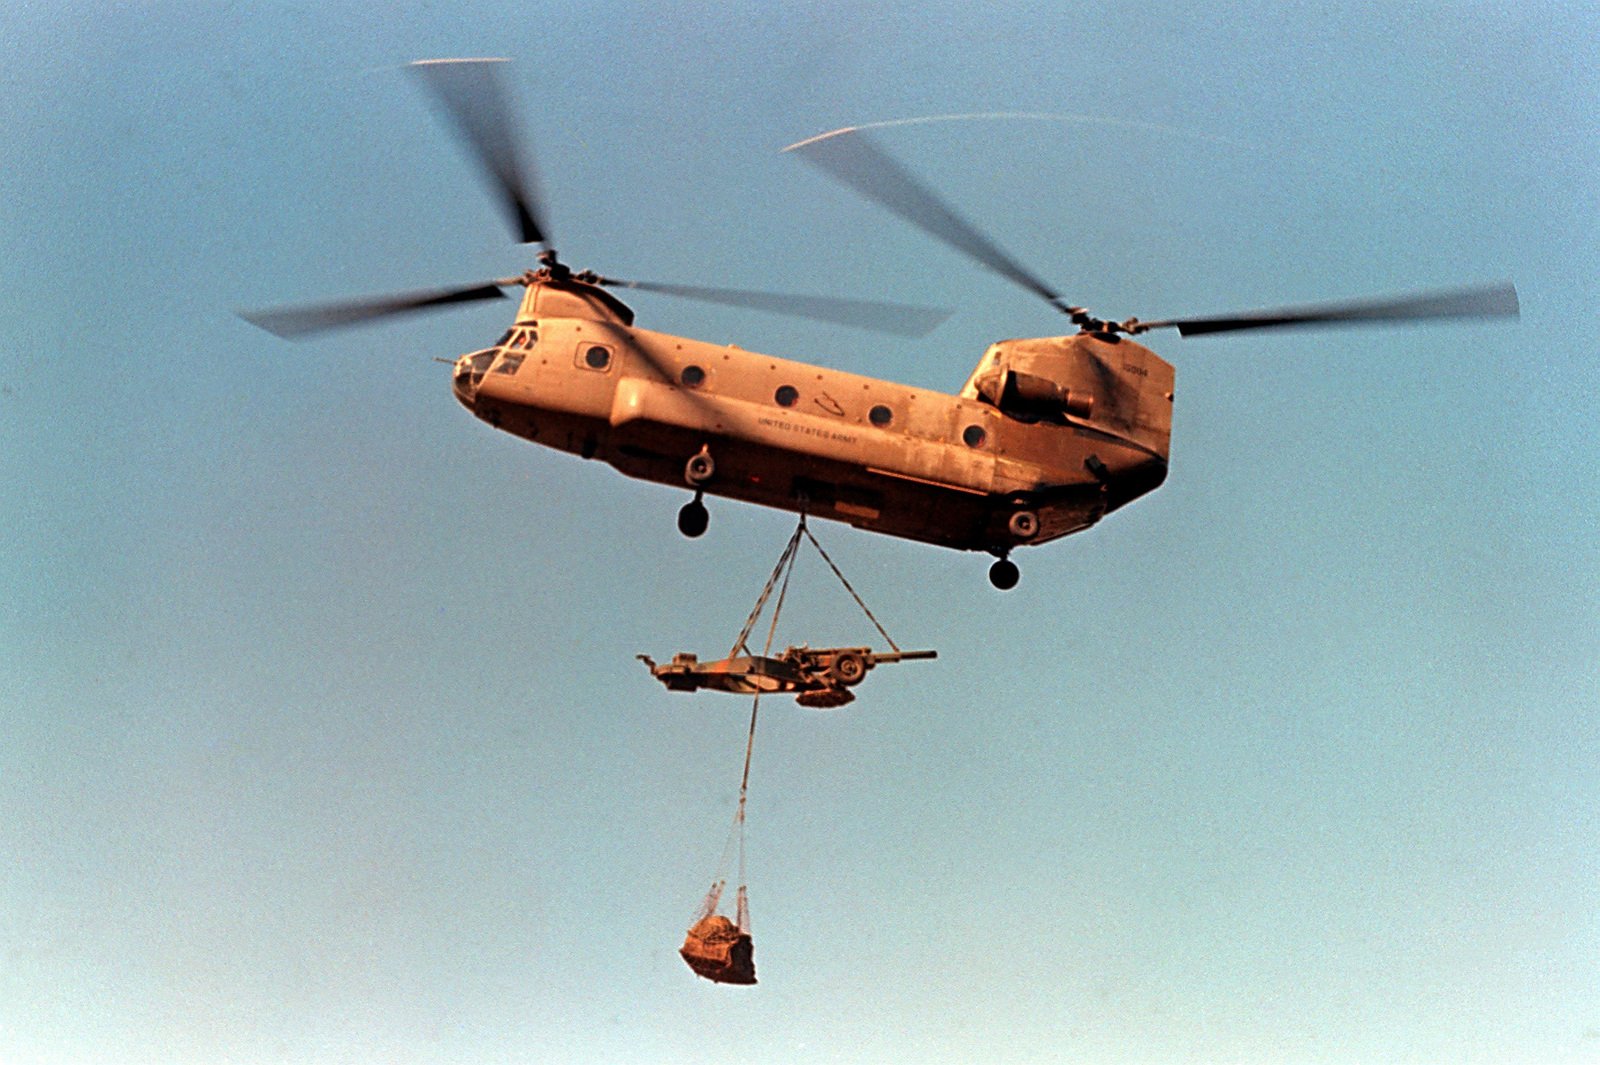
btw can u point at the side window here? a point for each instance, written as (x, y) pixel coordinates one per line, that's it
(594, 357)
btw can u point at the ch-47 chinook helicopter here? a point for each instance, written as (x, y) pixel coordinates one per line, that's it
(1046, 437)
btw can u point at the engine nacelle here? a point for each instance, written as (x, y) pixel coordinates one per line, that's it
(1110, 383)
(1026, 392)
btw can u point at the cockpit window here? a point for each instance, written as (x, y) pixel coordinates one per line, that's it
(470, 370)
(506, 356)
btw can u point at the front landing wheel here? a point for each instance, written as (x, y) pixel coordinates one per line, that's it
(1004, 574)
(693, 518)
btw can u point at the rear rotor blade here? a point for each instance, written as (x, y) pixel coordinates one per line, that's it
(849, 156)
(469, 91)
(292, 323)
(896, 318)
(1486, 301)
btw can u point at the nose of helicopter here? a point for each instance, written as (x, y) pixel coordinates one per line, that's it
(461, 382)
(468, 372)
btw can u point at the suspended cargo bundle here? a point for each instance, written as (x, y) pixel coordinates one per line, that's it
(718, 949)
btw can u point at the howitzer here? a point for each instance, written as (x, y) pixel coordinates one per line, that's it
(817, 677)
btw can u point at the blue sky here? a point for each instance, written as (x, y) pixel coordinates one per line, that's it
(324, 737)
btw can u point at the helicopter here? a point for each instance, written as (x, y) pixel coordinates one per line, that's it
(1046, 437)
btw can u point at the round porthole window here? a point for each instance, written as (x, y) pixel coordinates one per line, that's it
(597, 358)
(692, 376)
(974, 436)
(786, 396)
(880, 415)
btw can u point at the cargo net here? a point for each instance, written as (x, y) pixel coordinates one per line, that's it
(715, 947)
(719, 949)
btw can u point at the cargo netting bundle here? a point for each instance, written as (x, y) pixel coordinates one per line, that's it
(715, 947)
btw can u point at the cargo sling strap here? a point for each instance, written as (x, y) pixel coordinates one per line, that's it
(779, 580)
(784, 569)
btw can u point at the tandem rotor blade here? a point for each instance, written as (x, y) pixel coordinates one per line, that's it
(1485, 301)
(292, 323)
(470, 92)
(896, 318)
(849, 156)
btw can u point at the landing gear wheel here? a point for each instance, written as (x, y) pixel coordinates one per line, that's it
(693, 518)
(1004, 574)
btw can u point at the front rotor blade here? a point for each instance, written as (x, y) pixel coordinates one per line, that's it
(292, 323)
(897, 318)
(849, 156)
(1487, 301)
(470, 92)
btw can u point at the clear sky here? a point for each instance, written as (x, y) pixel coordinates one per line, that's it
(323, 736)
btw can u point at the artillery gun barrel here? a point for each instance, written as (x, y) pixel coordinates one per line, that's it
(903, 656)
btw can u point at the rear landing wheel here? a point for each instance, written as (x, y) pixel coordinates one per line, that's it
(693, 518)
(1004, 574)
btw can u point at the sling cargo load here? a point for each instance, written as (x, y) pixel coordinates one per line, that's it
(820, 677)
(717, 947)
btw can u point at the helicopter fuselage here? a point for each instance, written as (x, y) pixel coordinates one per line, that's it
(1047, 437)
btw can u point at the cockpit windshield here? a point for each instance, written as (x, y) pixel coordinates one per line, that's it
(521, 342)
(505, 357)
(471, 368)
